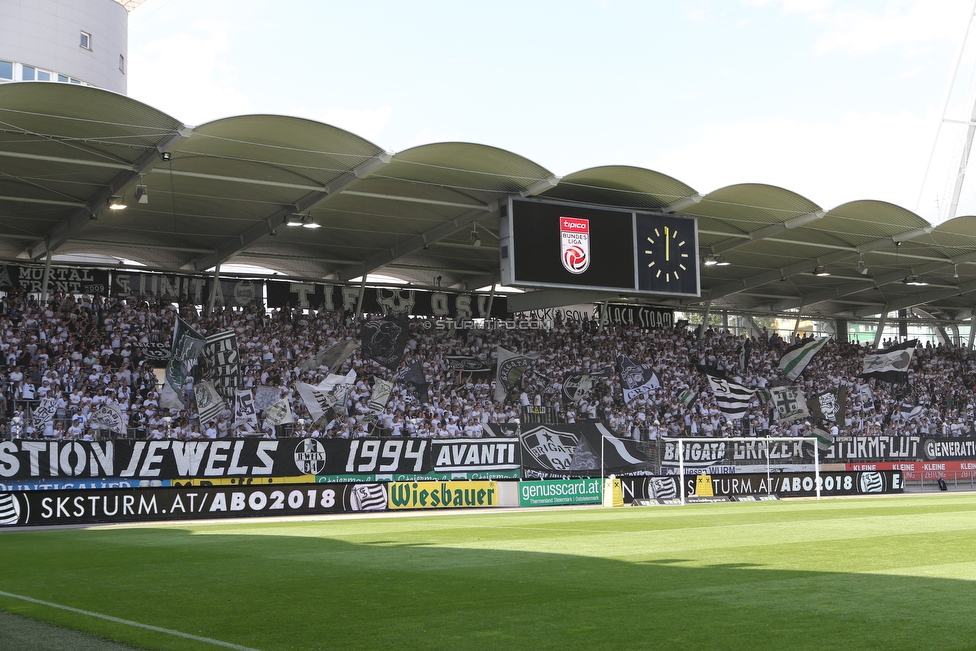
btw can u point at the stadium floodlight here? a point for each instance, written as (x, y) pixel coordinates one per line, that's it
(820, 270)
(915, 281)
(862, 267)
(750, 439)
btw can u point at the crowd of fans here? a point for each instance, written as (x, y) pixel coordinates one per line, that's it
(85, 350)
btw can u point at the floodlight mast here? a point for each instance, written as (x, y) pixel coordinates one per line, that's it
(766, 440)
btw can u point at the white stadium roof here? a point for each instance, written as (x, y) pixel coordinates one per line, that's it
(227, 187)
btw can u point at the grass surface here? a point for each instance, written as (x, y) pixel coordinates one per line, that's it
(878, 573)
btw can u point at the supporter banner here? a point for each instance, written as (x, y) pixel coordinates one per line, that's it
(443, 495)
(894, 448)
(467, 363)
(475, 455)
(230, 292)
(33, 508)
(728, 456)
(642, 316)
(221, 362)
(377, 300)
(173, 459)
(571, 451)
(560, 492)
(157, 354)
(385, 340)
(795, 484)
(70, 280)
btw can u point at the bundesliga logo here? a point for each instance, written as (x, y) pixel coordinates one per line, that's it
(574, 244)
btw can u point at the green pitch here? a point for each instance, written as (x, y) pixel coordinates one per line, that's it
(879, 573)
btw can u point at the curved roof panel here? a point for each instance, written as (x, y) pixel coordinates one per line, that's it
(621, 185)
(231, 190)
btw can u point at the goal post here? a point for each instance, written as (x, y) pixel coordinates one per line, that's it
(815, 441)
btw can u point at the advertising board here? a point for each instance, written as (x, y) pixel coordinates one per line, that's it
(560, 492)
(443, 495)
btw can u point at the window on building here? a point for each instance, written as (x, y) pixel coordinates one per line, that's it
(75, 81)
(62, 78)
(86, 40)
(43, 75)
(122, 64)
(27, 73)
(6, 70)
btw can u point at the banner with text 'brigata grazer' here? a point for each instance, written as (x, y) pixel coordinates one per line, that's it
(718, 456)
(32, 508)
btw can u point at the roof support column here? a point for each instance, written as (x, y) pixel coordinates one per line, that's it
(754, 327)
(213, 288)
(972, 330)
(840, 330)
(362, 292)
(882, 322)
(47, 277)
(705, 315)
(796, 324)
(491, 299)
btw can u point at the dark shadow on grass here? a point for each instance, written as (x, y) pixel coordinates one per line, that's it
(274, 592)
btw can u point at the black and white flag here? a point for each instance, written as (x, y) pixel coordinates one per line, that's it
(910, 412)
(186, 347)
(635, 379)
(44, 412)
(384, 340)
(330, 393)
(108, 416)
(830, 405)
(245, 415)
(209, 402)
(332, 357)
(467, 363)
(380, 396)
(789, 403)
(890, 364)
(279, 413)
(222, 363)
(733, 398)
(511, 367)
(415, 379)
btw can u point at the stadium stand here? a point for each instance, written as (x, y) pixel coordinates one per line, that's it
(85, 350)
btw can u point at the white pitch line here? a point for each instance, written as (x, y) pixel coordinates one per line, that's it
(117, 620)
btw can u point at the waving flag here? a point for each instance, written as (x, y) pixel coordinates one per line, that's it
(733, 398)
(797, 356)
(890, 364)
(789, 403)
(511, 366)
(636, 379)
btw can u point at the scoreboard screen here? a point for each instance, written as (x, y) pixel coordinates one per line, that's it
(570, 246)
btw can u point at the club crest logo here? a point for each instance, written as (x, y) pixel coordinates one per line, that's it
(574, 244)
(9, 509)
(310, 457)
(551, 449)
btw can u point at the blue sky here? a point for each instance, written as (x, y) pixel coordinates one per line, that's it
(834, 100)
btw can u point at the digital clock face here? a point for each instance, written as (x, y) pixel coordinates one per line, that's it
(667, 254)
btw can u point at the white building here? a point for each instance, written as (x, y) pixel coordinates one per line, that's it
(67, 41)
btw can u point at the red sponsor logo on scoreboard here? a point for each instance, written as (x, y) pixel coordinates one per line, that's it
(574, 244)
